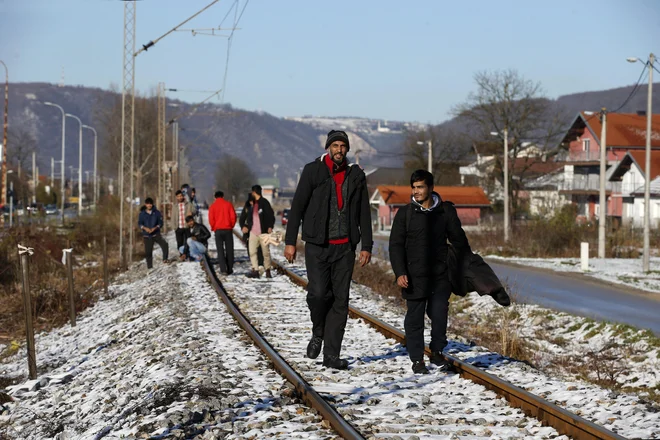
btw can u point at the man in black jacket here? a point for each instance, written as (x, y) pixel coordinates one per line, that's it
(418, 253)
(150, 222)
(333, 204)
(197, 242)
(260, 220)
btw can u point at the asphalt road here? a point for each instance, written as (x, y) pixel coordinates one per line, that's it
(574, 293)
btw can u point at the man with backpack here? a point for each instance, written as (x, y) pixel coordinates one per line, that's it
(418, 252)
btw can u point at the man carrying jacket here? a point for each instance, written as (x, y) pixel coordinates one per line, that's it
(222, 218)
(333, 204)
(197, 242)
(418, 253)
(260, 221)
(150, 222)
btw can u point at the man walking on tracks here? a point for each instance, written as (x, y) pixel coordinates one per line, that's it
(260, 221)
(333, 204)
(150, 222)
(222, 218)
(418, 253)
(182, 209)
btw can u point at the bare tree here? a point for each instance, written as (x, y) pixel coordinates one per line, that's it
(22, 144)
(233, 176)
(449, 153)
(145, 150)
(505, 99)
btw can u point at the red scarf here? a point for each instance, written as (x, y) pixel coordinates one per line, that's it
(338, 173)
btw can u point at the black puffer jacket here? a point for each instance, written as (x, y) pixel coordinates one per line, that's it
(419, 247)
(311, 206)
(266, 215)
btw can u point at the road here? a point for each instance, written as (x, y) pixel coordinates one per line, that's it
(570, 293)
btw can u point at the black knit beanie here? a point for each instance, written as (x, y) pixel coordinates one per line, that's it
(337, 135)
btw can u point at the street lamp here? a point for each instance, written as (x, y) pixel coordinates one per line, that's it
(63, 192)
(80, 124)
(506, 181)
(96, 188)
(647, 168)
(430, 164)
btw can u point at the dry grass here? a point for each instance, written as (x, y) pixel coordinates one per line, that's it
(48, 281)
(559, 237)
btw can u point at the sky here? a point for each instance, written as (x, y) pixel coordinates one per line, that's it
(392, 60)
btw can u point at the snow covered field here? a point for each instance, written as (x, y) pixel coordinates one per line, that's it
(163, 359)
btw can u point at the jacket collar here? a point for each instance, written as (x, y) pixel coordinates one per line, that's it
(436, 202)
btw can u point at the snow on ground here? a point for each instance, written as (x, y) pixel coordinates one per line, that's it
(162, 359)
(629, 415)
(625, 271)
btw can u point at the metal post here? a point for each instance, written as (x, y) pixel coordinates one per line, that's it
(127, 132)
(647, 171)
(52, 172)
(27, 310)
(506, 184)
(105, 266)
(430, 166)
(602, 202)
(95, 187)
(80, 127)
(72, 301)
(3, 197)
(34, 177)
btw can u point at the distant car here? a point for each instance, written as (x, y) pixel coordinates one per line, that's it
(51, 210)
(35, 208)
(285, 216)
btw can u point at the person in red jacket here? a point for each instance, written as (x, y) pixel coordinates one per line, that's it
(222, 218)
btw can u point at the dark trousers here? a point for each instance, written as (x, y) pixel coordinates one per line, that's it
(436, 306)
(329, 271)
(182, 235)
(149, 248)
(224, 241)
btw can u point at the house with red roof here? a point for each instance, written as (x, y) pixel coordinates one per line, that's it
(626, 133)
(470, 201)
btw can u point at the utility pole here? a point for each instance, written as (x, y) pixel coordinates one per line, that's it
(52, 172)
(95, 188)
(127, 134)
(80, 127)
(3, 197)
(647, 171)
(62, 168)
(34, 177)
(506, 184)
(602, 217)
(160, 124)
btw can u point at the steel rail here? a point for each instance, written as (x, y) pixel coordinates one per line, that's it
(306, 391)
(546, 412)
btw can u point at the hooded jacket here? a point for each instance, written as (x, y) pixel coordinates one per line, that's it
(311, 206)
(419, 244)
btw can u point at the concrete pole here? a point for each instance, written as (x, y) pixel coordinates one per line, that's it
(80, 127)
(62, 172)
(602, 202)
(3, 197)
(647, 171)
(52, 172)
(96, 186)
(430, 165)
(34, 177)
(506, 184)
(27, 310)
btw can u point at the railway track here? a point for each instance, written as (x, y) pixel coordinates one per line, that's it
(369, 405)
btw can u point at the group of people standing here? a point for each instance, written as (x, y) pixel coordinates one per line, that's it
(332, 204)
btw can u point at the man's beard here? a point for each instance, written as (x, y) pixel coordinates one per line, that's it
(338, 161)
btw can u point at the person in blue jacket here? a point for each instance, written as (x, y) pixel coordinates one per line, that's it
(150, 222)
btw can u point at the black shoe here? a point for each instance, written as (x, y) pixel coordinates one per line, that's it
(443, 364)
(500, 296)
(253, 274)
(268, 275)
(314, 347)
(418, 367)
(335, 362)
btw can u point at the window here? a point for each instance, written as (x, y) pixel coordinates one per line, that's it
(585, 144)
